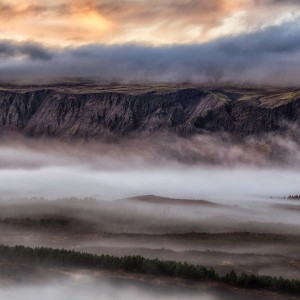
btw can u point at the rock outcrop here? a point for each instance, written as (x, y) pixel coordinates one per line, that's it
(105, 113)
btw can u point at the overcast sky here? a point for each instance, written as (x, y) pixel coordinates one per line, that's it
(254, 41)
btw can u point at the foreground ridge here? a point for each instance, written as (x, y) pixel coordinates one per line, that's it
(142, 265)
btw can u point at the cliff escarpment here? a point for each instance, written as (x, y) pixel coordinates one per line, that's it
(101, 113)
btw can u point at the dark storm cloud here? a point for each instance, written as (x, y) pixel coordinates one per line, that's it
(268, 56)
(33, 51)
(282, 1)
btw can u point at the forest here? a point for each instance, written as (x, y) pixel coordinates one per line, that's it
(139, 264)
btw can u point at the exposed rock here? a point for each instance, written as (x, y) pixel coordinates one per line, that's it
(104, 113)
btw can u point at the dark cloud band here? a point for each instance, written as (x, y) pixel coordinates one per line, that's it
(268, 56)
(31, 51)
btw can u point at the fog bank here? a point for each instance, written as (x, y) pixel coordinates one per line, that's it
(81, 286)
(203, 167)
(177, 182)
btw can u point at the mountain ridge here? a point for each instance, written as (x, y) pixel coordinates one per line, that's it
(103, 112)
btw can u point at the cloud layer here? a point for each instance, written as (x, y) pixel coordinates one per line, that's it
(155, 22)
(271, 55)
(254, 41)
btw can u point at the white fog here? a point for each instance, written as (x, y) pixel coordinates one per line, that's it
(108, 172)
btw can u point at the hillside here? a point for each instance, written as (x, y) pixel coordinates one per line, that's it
(107, 112)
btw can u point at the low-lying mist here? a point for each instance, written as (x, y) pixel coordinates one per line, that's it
(241, 176)
(200, 167)
(80, 286)
(175, 181)
(62, 291)
(268, 150)
(86, 196)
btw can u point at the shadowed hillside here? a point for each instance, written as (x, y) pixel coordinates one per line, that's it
(106, 112)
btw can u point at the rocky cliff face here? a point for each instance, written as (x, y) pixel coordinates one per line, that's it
(113, 113)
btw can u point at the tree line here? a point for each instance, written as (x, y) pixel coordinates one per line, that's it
(139, 264)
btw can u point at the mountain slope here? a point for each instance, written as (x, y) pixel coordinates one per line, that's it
(113, 112)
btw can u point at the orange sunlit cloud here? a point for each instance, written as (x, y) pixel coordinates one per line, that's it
(151, 40)
(66, 22)
(58, 23)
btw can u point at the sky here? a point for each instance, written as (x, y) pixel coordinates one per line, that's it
(151, 40)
